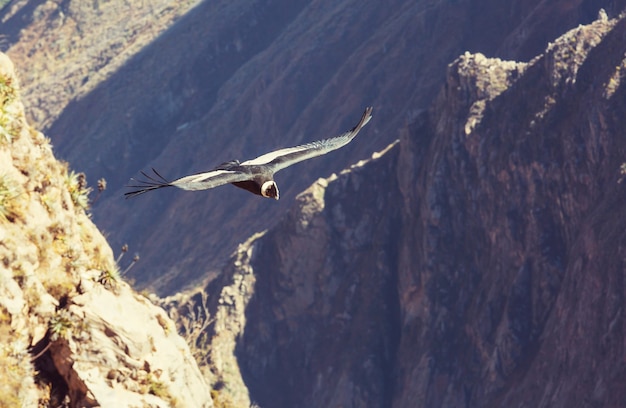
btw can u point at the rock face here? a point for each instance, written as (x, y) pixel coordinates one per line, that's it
(234, 80)
(502, 301)
(72, 332)
(477, 263)
(330, 283)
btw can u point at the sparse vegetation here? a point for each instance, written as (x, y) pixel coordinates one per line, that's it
(8, 192)
(615, 80)
(8, 93)
(60, 325)
(102, 185)
(110, 276)
(13, 366)
(77, 186)
(152, 385)
(193, 327)
(59, 284)
(130, 265)
(221, 400)
(156, 387)
(121, 255)
(48, 202)
(65, 325)
(9, 126)
(164, 323)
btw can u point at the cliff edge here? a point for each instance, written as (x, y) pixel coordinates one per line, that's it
(72, 332)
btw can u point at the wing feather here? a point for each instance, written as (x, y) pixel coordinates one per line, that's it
(200, 181)
(279, 159)
(210, 179)
(150, 183)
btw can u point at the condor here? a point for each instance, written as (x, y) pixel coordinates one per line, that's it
(256, 175)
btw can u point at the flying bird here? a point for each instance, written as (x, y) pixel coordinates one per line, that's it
(256, 175)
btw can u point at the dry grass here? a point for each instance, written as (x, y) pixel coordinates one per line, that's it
(9, 126)
(15, 366)
(9, 192)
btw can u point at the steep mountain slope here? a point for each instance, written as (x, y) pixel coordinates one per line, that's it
(64, 49)
(477, 263)
(71, 332)
(235, 80)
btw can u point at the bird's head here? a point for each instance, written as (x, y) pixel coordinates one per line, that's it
(269, 189)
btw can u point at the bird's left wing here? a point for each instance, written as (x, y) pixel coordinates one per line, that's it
(200, 181)
(279, 159)
(210, 179)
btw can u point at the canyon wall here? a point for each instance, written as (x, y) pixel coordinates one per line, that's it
(477, 262)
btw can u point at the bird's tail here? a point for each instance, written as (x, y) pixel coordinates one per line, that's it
(150, 183)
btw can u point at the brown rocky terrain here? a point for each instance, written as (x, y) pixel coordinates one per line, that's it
(235, 80)
(479, 262)
(72, 333)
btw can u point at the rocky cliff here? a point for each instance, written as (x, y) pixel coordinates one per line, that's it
(72, 332)
(479, 262)
(219, 81)
(510, 260)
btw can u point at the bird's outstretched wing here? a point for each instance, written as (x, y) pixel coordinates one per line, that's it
(148, 184)
(200, 181)
(279, 159)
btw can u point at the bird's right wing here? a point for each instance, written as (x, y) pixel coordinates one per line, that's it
(200, 181)
(279, 159)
